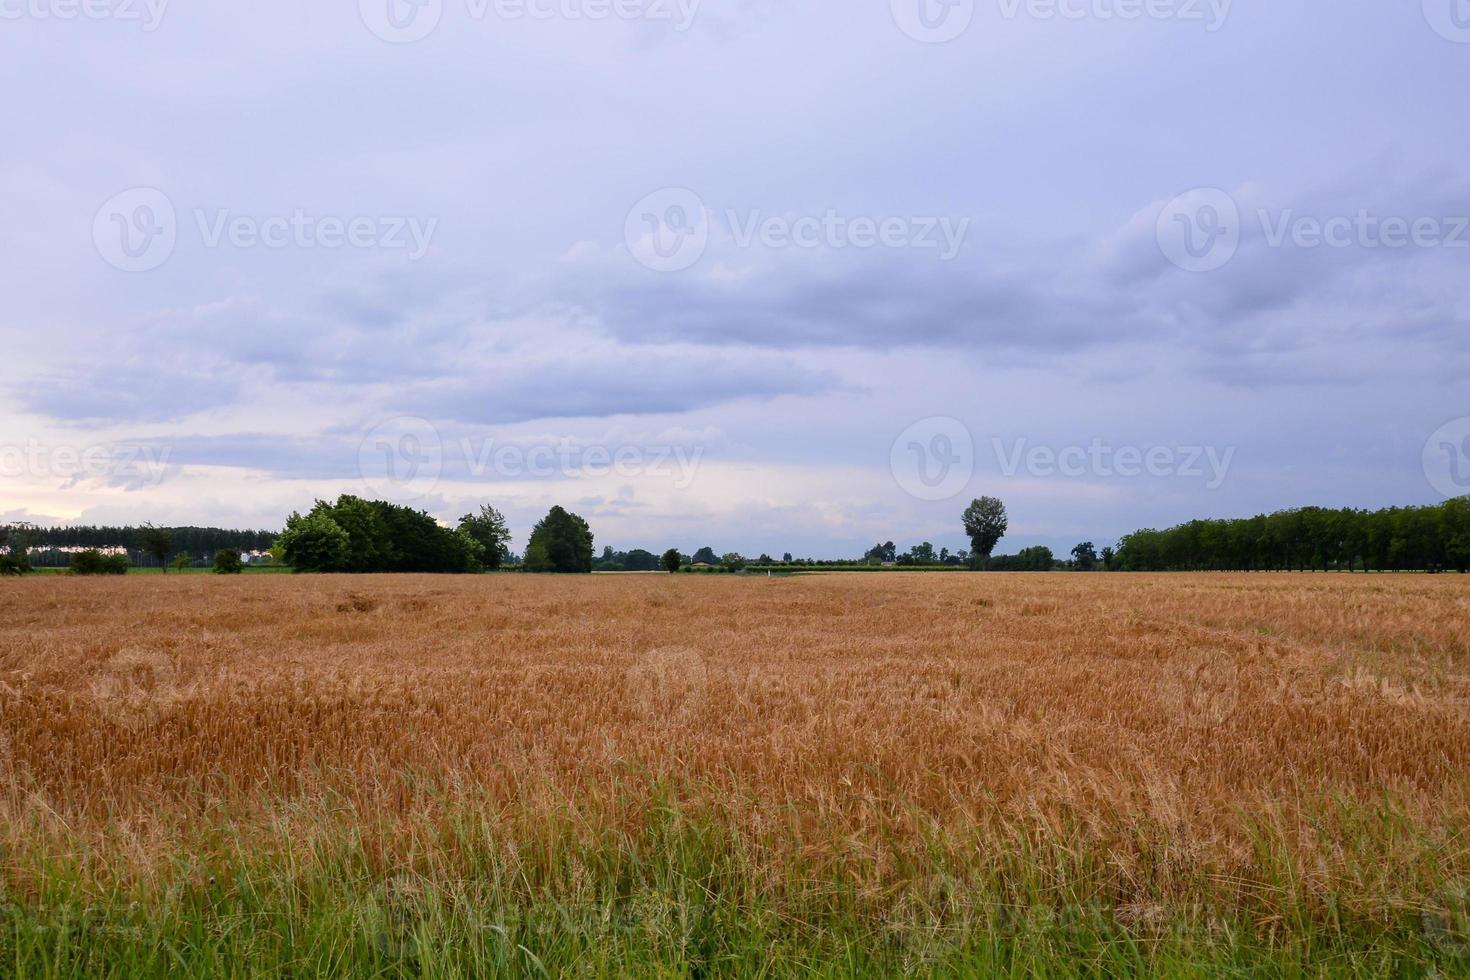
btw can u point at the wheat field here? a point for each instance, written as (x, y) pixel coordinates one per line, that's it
(867, 772)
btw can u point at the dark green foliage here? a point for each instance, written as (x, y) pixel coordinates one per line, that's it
(17, 541)
(985, 524)
(1435, 538)
(94, 562)
(369, 548)
(227, 562)
(315, 543)
(194, 540)
(636, 560)
(880, 553)
(639, 560)
(1037, 559)
(358, 536)
(418, 543)
(493, 534)
(706, 555)
(561, 542)
(672, 560)
(156, 541)
(538, 559)
(1084, 557)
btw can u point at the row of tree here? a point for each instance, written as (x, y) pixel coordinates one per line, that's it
(1433, 538)
(192, 540)
(887, 553)
(357, 535)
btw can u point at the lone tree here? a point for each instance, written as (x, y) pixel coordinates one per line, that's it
(489, 528)
(985, 525)
(1084, 556)
(158, 542)
(16, 560)
(561, 542)
(672, 560)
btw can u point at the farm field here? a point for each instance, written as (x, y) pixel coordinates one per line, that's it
(714, 775)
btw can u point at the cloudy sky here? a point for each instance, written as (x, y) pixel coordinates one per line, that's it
(769, 276)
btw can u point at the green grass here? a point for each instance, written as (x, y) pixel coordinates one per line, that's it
(466, 894)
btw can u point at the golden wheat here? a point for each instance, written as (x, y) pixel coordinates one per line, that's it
(836, 711)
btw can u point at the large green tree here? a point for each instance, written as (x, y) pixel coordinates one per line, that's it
(561, 542)
(489, 528)
(985, 524)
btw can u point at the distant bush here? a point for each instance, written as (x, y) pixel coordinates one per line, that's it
(94, 562)
(1037, 559)
(227, 562)
(13, 565)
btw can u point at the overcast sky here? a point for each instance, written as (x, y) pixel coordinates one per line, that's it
(768, 276)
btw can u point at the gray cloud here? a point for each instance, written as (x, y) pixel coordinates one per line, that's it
(529, 143)
(643, 383)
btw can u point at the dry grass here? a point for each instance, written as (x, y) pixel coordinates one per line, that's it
(1181, 729)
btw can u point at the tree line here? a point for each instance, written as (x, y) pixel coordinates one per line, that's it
(355, 535)
(1432, 538)
(192, 540)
